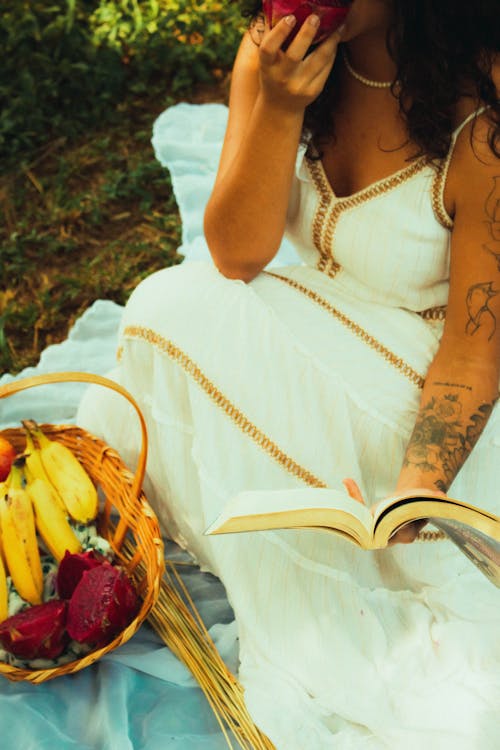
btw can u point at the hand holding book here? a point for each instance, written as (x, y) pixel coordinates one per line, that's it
(475, 531)
(409, 532)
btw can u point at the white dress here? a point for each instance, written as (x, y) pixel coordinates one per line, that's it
(309, 374)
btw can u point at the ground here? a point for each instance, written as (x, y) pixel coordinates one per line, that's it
(84, 220)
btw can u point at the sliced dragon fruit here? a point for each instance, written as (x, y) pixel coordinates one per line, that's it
(103, 603)
(37, 632)
(71, 569)
(332, 14)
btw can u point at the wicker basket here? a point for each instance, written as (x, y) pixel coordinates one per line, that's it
(135, 538)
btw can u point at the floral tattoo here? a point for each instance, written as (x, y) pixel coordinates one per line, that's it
(442, 439)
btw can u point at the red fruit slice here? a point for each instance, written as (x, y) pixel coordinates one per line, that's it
(7, 456)
(332, 14)
(71, 569)
(37, 632)
(127, 601)
(103, 603)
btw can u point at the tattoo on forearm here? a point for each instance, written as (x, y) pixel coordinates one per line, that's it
(492, 210)
(442, 439)
(478, 309)
(453, 385)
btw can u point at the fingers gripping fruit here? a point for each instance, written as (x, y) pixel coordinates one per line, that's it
(67, 475)
(332, 14)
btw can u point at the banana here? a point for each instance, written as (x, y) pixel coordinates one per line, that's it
(67, 476)
(33, 465)
(51, 520)
(19, 541)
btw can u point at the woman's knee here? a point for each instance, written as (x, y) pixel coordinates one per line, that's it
(166, 292)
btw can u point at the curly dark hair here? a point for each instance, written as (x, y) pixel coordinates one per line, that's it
(443, 51)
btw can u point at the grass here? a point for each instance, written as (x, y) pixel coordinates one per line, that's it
(84, 220)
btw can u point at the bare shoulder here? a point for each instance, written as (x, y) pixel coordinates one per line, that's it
(474, 164)
(468, 106)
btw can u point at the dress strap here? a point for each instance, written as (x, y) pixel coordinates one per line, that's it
(439, 183)
(468, 119)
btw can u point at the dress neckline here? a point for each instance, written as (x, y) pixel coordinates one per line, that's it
(330, 207)
(383, 185)
(328, 195)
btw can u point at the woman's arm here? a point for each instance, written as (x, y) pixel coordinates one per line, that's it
(462, 383)
(245, 216)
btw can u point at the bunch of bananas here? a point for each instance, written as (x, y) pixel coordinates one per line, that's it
(43, 490)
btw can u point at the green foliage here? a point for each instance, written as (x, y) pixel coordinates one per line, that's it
(69, 64)
(181, 39)
(89, 221)
(53, 79)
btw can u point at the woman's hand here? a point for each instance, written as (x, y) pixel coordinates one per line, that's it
(408, 533)
(353, 490)
(293, 79)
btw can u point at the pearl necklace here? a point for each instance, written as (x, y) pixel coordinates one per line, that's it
(362, 79)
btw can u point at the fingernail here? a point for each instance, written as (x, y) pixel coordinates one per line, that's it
(314, 20)
(291, 20)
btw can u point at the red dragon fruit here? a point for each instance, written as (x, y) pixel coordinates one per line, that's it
(103, 603)
(71, 569)
(37, 632)
(332, 14)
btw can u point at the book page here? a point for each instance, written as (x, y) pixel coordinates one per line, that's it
(388, 502)
(425, 495)
(263, 503)
(394, 512)
(397, 514)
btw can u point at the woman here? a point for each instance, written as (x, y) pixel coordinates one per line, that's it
(378, 360)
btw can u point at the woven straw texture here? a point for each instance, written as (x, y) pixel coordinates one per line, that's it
(130, 525)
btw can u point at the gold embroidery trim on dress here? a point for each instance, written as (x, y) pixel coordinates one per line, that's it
(433, 313)
(246, 426)
(438, 185)
(397, 362)
(327, 263)
(430, 536)
(319, 221)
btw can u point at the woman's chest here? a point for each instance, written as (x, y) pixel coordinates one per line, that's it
(370, 144)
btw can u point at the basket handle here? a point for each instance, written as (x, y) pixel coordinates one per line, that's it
(16, 386)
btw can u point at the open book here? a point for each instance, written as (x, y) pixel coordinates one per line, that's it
(476, 532)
